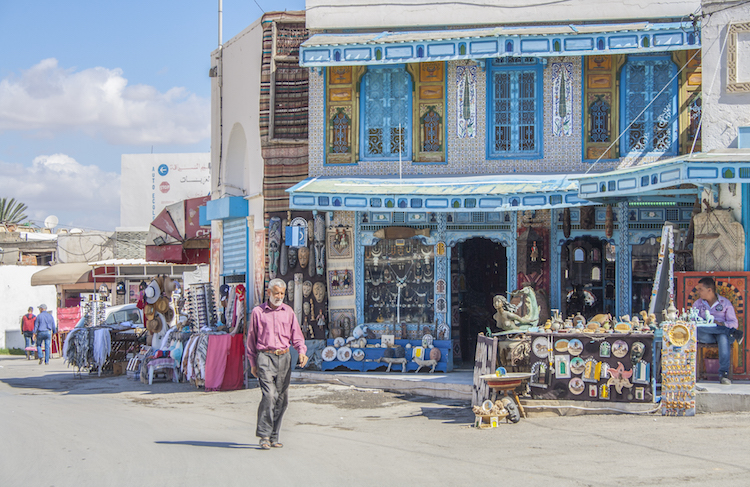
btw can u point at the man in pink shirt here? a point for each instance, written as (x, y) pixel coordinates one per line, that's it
(273, 327)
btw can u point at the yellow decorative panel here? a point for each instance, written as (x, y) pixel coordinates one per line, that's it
(340, 75)
(431, 72)
(340, 94)
(600, 113)
(599, 81)
(431, 92)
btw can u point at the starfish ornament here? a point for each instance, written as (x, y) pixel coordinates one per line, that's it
(619, 378)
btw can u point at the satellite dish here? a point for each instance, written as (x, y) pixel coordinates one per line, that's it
(50, 222)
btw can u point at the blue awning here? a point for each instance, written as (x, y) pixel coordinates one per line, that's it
(508, 192)
(699, 169)
(444, 45)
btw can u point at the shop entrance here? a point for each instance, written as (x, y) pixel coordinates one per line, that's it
(588, 276)
(478, 274)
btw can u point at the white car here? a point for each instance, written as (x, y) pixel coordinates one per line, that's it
(120, 314)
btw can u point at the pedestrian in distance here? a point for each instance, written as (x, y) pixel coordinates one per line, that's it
(44, 327)
(273, 328)
(724, 330)
(27, 328)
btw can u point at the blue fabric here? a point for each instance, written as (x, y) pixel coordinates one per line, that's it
(46, 337)
(29, 338)
(44, 322)
(720, 335)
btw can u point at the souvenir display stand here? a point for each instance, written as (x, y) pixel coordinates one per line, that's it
(592, 366)
(367, 359)
(678, 369)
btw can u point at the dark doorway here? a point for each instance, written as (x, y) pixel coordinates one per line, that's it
(588, 276)
(478, 274)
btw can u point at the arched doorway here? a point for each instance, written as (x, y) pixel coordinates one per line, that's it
(478, 274)
(588, 276)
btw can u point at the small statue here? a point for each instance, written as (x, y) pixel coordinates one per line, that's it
(391, 361)
(425, 363)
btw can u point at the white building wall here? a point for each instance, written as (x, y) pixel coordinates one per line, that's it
(235, 125)
(723, 111)
(16, 295)
(365, 14)
(149, 182)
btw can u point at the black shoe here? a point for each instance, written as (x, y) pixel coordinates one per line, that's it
(738, 335)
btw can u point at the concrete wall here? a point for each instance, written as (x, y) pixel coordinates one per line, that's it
(723, 111)
(16, 295)
(366, 14)
(149, 182)
(85, 247)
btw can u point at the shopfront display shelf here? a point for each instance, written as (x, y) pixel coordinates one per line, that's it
(445, 364)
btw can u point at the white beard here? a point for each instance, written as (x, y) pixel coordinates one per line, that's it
(276, 302)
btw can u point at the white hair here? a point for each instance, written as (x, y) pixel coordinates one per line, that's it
(276, 283)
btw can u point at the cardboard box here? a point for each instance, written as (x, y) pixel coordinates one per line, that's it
(119, 368)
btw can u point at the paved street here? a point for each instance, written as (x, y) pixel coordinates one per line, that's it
(58, 430)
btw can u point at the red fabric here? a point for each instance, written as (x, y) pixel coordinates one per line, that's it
(28, 322)
(216, 360)
(233, 375)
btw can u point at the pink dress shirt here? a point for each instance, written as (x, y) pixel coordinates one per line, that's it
(273, 329)
(722, 310)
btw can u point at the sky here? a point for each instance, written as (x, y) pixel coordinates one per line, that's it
(83, 82)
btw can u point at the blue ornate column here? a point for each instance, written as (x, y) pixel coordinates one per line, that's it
(512, 253)
(624, 275)
(442, 268)
(359, 268)
(554, 262)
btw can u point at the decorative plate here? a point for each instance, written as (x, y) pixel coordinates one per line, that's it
(577, 365)
(427, 341)
(623, 327)
(358, 355)
(329, 354)
(435, 354)
(443, 332)
(561, 345)
(620, 348)
(575, 347)
(540, 347)
(344, 354)
(339, 342)
(576, 385)
(679, 335)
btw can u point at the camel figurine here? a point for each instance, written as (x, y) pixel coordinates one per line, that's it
(391, 361)
(425, 363)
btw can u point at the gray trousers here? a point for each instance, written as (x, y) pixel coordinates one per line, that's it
(274, 374)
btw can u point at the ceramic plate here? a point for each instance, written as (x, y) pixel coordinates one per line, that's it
(358, 355)
(577, 365)
(561, 345)
(329, 354)
(339, 342)
(344, 354)
(576, 385)
(540, 346)
(619, 348)
(575, 347)
(679, 335)
(427, 341)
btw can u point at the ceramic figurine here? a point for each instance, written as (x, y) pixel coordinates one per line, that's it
(671, 311)
(391, 361)
(425, 363)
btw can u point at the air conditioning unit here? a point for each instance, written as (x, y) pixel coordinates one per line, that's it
(743, 137)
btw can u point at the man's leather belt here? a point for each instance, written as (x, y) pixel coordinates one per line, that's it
(281, 351)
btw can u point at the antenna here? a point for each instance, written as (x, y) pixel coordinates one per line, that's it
(51, 222)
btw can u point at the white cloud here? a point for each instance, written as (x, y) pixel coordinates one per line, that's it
(82, 196)
(47, 100)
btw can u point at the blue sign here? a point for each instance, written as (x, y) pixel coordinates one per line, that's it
(163, 170)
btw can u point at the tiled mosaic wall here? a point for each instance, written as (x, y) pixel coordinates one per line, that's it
(465, 156)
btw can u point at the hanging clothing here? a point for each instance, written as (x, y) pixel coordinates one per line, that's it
(234, 373)
(217, 351)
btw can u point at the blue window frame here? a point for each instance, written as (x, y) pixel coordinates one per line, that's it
(386, 113)
(514, 108)
(653, 112)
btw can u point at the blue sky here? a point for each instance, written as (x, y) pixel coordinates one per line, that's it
(83, 82)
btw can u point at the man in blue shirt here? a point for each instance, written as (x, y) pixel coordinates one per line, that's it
(44, 327)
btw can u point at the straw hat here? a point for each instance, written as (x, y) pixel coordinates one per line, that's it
(152, 292)
(153, 325)
(149, 311)
(162, 305)
(169, 315)
(169, 286)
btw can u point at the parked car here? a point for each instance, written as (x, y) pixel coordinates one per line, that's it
(120, 314)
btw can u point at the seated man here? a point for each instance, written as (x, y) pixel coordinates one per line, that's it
(724, 329)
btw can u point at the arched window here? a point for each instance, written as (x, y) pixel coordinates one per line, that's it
(386, 113)
(649, 100)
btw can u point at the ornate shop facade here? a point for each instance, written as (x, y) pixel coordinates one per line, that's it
(454, 160)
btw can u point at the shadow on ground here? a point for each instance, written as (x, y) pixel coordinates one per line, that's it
(211, 444)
